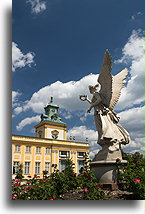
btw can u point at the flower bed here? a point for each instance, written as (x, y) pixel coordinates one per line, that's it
(66, 184)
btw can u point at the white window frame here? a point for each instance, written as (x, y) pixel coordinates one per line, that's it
(37, 168)
(47, 151)
(60, 166)
(81, 156)
(79, 165)
(15, 166)
(65, 156)
(27, 168)
(38, 149)
(17, 148)
(28, 149)
(47, 166)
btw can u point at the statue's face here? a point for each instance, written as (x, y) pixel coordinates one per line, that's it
(95, 88)
(92, 90)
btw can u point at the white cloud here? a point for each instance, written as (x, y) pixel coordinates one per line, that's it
(65, 94)
(65, 113)
(133, 120)
(133, 57)
(27, 121)
(93, 153)
(135, 16)
(20, 60)
(37, 6)
(82, 132)
(15, 95)
(17, 110)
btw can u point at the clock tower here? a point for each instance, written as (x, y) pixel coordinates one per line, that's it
(51, 125)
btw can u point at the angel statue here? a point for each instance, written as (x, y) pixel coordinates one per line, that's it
(105, 95)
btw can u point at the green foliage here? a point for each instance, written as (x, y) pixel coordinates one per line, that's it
(34, 189)
(87, 182)
(70, 175)
(19, 171)
(58, 183)
(131, 176)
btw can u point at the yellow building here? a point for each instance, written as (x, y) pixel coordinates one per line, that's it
(50, 146)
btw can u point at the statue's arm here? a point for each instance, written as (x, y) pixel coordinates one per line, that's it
(89, 101)
(98, 100)
(93, 104)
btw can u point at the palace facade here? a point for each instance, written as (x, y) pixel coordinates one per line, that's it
(50, 146)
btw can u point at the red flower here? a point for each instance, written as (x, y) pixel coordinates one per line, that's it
(51, 199)
(17, 180)
(14, 196)
(24, 191)
(85, 174)
(137, 180)
(99, 187)
(85, 189)
(118, 159)
(35, 176)
(16, 184)
(29, 187)
(27, 182)
(43, 180)
(89, 177)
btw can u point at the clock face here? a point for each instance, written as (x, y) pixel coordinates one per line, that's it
(54, 134)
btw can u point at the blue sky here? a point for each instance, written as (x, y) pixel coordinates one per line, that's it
(58, 48)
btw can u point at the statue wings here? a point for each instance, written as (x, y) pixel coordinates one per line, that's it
(110, 85)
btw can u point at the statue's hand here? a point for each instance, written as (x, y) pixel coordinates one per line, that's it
(89, 110)
(83, 97)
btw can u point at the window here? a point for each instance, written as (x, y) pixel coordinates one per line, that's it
(28, 149)
(15, 167)
(17, 148)
(37, 168)
(47, 150)
(80, 164)
(64, 153)
(47, 166)
(38, 149)
(40, 134)
(27, 168)
(62, 165)
(81, 154)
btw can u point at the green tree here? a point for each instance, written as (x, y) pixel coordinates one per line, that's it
(19, 173)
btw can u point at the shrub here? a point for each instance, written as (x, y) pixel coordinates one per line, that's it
(131, 176)
(87, 182)
(58, 183)
(19, 171)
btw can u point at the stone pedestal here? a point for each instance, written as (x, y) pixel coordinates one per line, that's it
(105, 171)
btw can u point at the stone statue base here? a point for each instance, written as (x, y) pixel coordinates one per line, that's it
(107, 154)
(105, 171)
